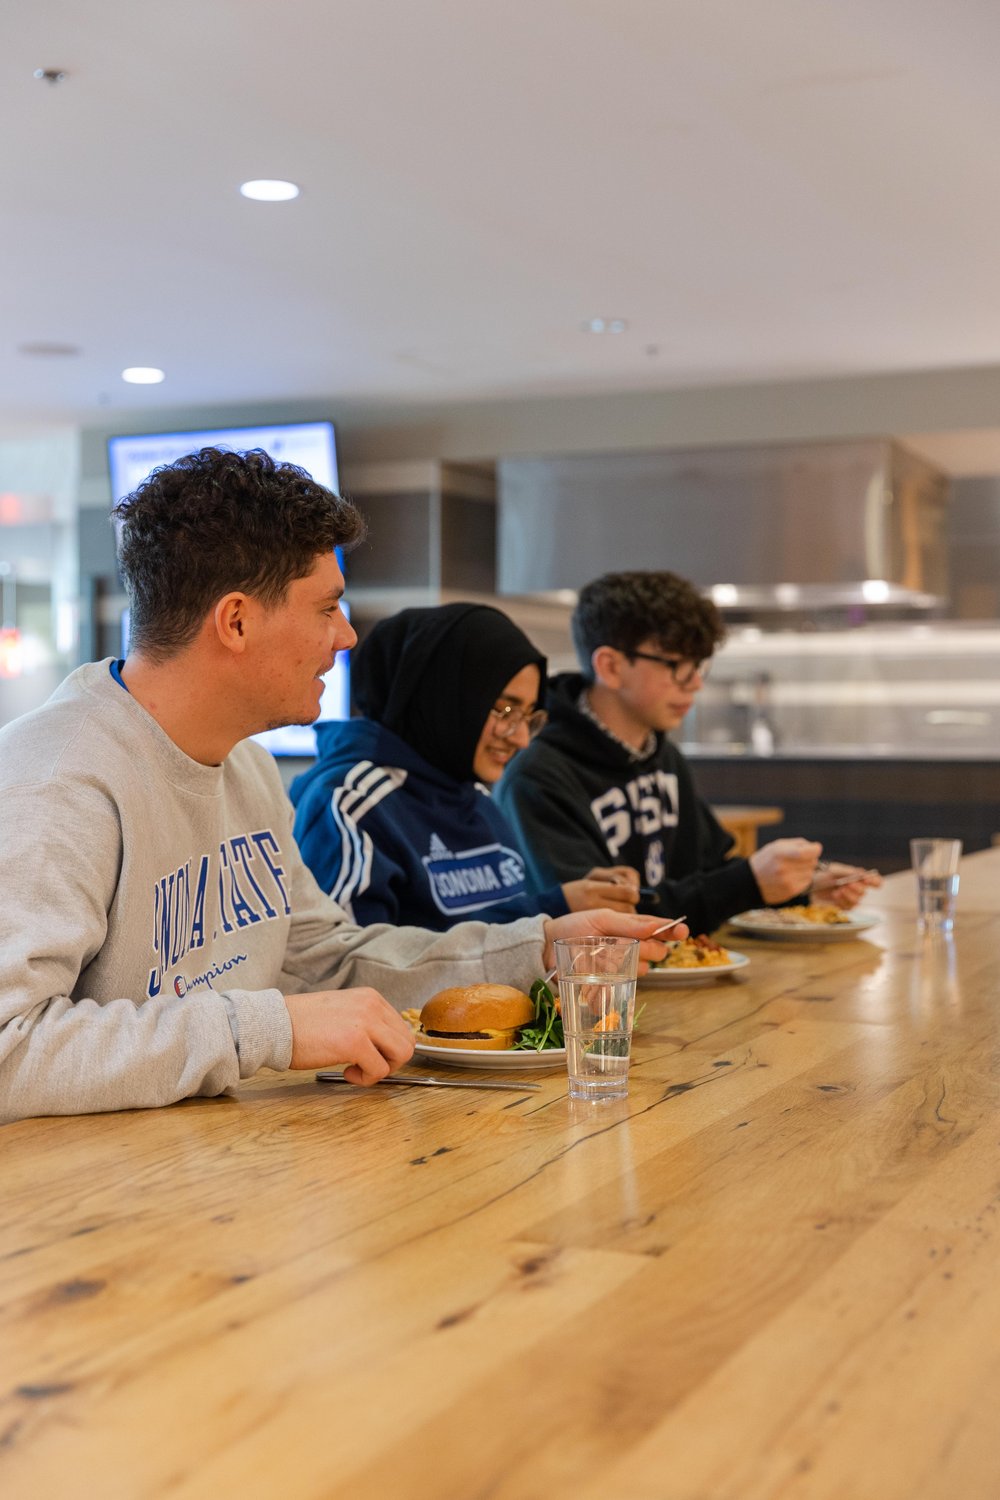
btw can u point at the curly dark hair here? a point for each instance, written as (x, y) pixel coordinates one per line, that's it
(214, 522)
(626, 610)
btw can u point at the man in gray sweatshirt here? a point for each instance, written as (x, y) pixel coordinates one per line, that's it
(161, 936)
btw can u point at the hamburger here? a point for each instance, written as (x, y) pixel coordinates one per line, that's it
(483, 1017)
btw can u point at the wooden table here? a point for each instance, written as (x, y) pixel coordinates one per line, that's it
(743, 822)
(772, 1272)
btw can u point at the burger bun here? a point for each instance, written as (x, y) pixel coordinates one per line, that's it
(476, 1017)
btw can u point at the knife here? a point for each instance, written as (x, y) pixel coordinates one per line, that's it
(434, 1083)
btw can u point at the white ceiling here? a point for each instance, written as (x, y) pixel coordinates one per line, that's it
(764, 189)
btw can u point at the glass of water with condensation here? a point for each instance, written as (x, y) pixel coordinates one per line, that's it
(597, 978)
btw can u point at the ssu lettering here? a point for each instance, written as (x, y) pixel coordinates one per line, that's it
(641, 809)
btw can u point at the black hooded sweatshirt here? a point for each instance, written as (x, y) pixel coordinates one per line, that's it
(576, 799)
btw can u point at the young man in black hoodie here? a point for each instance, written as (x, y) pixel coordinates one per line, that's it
(602, 784)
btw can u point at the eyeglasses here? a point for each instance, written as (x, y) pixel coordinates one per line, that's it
(509, 720)
(681, 668)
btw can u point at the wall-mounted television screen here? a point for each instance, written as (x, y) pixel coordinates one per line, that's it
(312, 446)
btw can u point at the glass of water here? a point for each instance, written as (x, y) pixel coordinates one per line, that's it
(597, 978)
(935, 864)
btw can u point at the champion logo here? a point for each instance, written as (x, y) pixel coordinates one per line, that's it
(182, 984)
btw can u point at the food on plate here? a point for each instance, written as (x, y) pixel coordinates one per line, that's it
(477, 1017)
(701, 952)
(473, 1017)
(547, 1030)
(820, 914)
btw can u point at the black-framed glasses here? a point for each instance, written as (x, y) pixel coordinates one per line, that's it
(681, 668)
(509, 719)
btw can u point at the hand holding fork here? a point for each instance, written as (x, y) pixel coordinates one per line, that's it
(844, 885)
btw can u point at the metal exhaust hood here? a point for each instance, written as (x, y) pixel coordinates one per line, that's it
(790, 527)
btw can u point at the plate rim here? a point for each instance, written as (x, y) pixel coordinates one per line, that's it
(856, 922)
(855, 926)
(474, 1057)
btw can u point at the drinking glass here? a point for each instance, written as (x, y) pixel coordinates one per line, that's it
(935, 864)
(597, 978)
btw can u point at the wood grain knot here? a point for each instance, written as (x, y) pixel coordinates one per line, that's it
(450, 1319)
(77, 1290)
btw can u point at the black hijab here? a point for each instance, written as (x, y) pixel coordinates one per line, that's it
(432, 675)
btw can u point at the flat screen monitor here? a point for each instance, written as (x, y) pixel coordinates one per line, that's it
(312, 446)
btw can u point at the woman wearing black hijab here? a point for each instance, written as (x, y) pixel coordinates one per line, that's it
(395, 818)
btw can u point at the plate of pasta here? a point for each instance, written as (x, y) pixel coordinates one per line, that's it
(818, 923)
(696, 960)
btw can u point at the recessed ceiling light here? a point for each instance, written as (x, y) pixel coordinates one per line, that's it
(143, 375)
(604, 325)
(875, 591)
(269, 190)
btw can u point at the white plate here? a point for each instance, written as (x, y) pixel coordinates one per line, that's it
(707, 975)
(806, 932)
(505, 1062)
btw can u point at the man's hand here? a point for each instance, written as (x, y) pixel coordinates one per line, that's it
(613, 924)
(833, 885)
(616, 888)
(785, 868)
(357, 1028)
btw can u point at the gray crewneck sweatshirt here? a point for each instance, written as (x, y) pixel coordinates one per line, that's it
(155, 910)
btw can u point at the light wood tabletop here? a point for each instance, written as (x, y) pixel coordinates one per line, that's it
(771, 1272)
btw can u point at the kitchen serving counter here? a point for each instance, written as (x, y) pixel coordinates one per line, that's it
(771, 1272)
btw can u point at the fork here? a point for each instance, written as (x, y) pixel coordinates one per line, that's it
(825, 864)
(674, 921)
